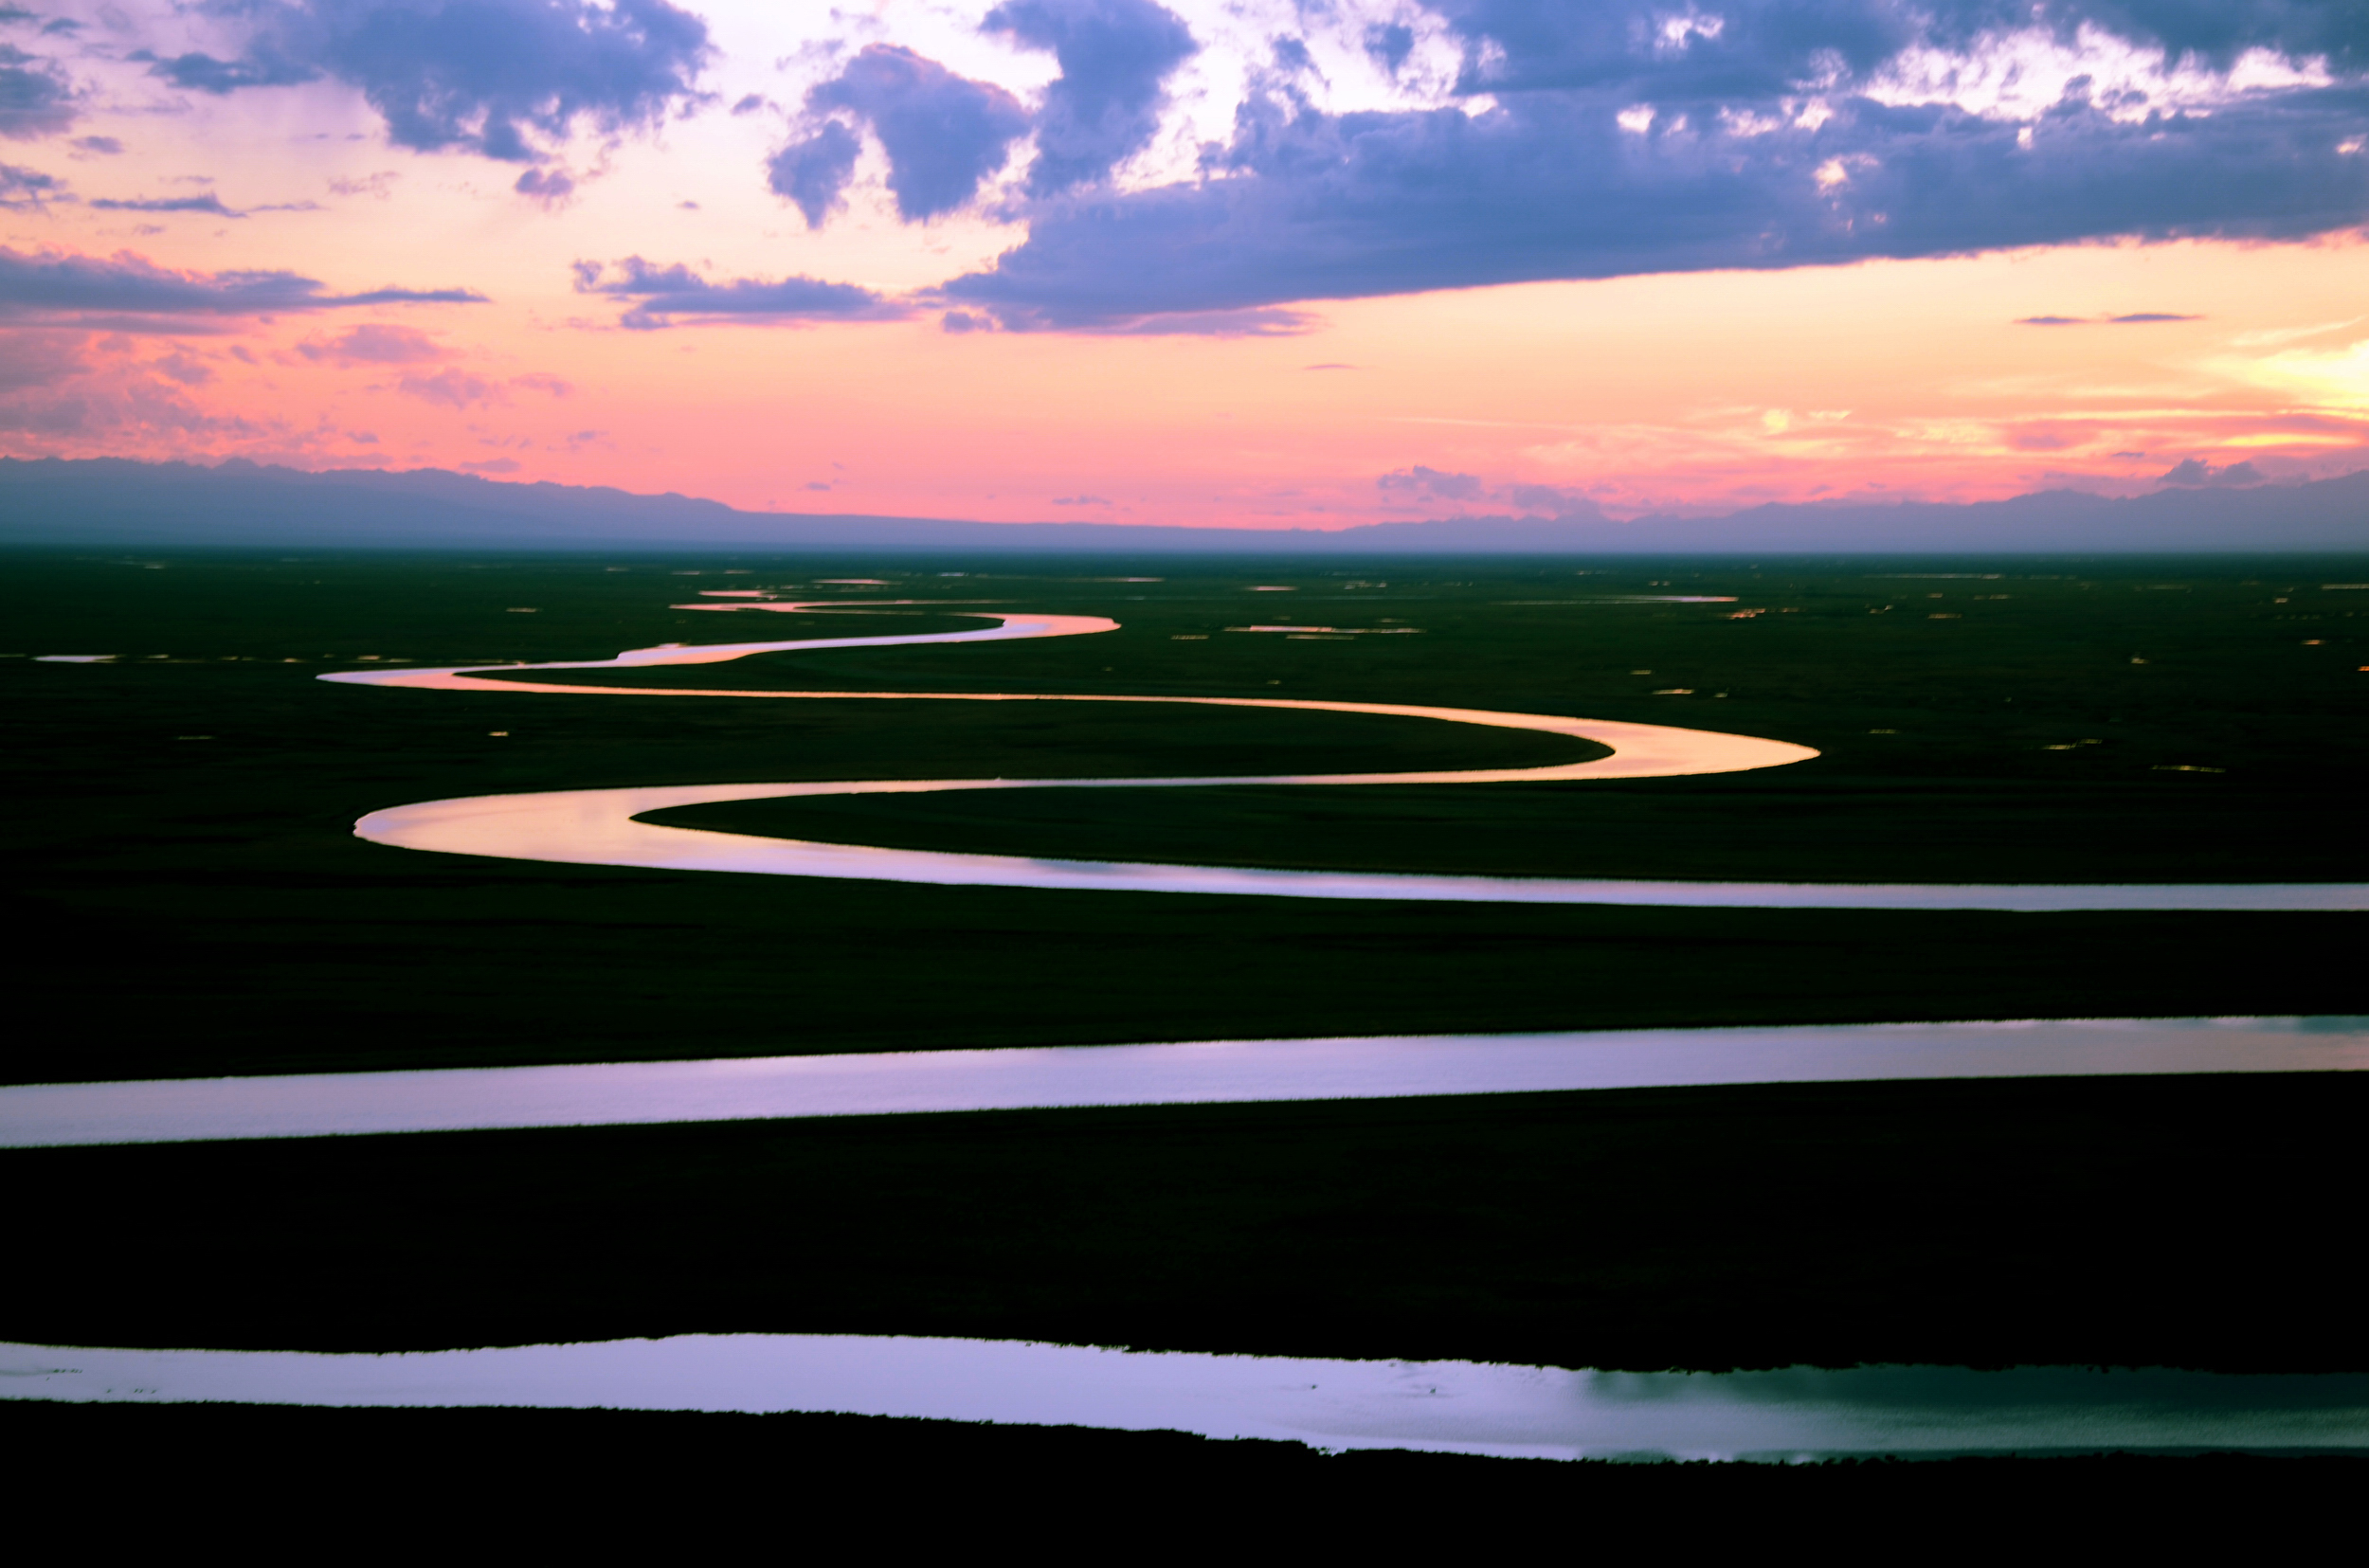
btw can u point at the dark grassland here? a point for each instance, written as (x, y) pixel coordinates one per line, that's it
(2182, 1221)
(675, 1480)
(198, 906)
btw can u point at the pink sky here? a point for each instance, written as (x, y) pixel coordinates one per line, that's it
(1681, 389)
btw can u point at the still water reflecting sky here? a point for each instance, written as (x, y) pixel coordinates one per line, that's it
(1455, 1406)
(305, 1105)
(605, 827)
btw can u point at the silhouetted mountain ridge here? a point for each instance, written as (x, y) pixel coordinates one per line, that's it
(119, 503)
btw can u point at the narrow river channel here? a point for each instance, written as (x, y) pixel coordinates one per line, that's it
(606, 827)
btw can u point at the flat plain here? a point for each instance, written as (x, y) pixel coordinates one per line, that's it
(190, 901)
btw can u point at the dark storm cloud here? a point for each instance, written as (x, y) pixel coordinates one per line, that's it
(480, 75)
(1730, 173)
(662, 297)
(943, 134)
(53, 284)
(1114, 54)
(35, 98)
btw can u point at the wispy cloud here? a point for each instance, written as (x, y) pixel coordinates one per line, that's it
(124, 287)
(2136, 319)
(209, 204)
(666, 297)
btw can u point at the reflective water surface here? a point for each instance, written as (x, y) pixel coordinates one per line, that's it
(1456, 1406)
(603, 827)
(1384, 1066)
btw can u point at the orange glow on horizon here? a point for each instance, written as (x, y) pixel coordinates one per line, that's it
(1684, 392)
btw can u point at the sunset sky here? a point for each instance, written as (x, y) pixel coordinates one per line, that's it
(1252, 263)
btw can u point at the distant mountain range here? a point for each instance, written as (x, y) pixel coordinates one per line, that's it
(119, 504)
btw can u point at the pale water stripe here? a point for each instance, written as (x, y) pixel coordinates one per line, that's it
(1455, 1406)
(1387, 1067)
(603, 827)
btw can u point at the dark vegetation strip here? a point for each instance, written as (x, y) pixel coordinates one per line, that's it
(2176, 1221)
(441, 964)
(1821, 828)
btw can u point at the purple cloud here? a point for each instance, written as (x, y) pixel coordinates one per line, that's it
(127, 288)
(1114, 57)
(2135, 319)
(665, 296)
(550, 187)
(263, 65)
(22, 189)
(209, 204)
(35, 98)
(1421, 484)
(451, 387)
(1419, 480)
(2197, 473)
(1559, 179)
(943, 134)
(374, 343)
(813, 171)
(488, 76)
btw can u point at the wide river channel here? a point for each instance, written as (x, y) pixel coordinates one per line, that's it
(1798, 1413)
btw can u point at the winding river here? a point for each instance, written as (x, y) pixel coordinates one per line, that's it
(605, 827)
(1459, 1406)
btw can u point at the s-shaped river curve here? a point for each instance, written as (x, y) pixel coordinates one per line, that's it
(602, 827)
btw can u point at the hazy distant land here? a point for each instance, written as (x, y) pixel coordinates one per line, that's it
(117, 502)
